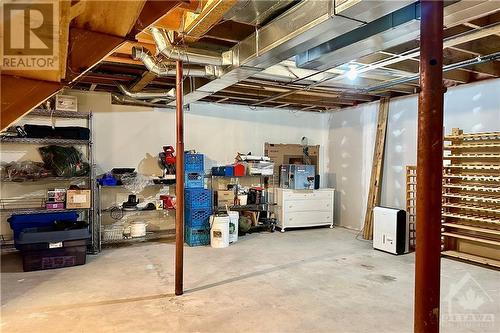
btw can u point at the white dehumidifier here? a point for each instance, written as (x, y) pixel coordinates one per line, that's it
(390, 230)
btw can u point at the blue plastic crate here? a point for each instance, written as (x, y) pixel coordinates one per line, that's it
(219, 171)
(194, 180)
(18, 222)
(197, 217)
(197, 236)
(229, 171)
(198, 198)
(194, 162)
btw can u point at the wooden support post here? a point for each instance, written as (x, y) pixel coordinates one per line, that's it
(179, 184)
(429, 169)
(377, 167)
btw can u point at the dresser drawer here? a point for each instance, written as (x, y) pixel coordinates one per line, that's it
(298, 219)
(306, 194)
(308, 205)
(298, 195)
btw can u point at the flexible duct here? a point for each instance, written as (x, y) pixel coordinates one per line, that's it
(187, 55)
(131, 101)
(168, 95)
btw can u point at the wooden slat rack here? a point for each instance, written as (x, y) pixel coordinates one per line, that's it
(471, 197)
(411, 200)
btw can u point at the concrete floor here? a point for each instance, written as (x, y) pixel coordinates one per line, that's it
(315, 280)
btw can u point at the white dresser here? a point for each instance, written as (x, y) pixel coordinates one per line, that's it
(304, 208)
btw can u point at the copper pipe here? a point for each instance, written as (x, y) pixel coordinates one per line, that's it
(179, 181)
(429, 169)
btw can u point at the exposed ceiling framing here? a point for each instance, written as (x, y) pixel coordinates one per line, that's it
(98, 36)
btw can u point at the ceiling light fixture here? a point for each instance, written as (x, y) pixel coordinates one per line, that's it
(352, 73)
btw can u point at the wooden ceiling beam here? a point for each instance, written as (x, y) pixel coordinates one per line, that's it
(196, 25)
(155, 12)
(452, 56)
(319, 91)
(118, 59)
(110, 17)
(126, 47)
(87, 49)
(411, 66)
(486, 45)
(146, 78)
(259, 95)
(192, 5)
(20, 95)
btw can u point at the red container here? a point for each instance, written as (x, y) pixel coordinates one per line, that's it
(168, 201)
(239, 169)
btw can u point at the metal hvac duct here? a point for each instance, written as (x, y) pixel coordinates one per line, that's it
(168, 95)
(306, 25)
(390, 30)
(187, 55)
(131, 101)
(160, 69)
(257, 12)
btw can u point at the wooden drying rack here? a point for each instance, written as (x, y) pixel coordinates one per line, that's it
(471, 198)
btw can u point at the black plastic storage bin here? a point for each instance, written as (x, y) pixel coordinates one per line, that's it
(47, 248)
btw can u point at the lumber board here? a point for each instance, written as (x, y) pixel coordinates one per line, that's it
(469, 217)
(377, 168)
(471, 238)
(471, 257)
(472, 228)
(474, 198)
(477, 208)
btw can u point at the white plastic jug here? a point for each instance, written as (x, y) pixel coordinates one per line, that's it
(233, 226)
(138, 229)
(219, 231)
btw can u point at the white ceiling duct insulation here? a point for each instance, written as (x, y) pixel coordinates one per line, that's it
(306, 25)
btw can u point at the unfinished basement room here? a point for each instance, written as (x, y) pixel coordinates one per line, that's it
(250, 166)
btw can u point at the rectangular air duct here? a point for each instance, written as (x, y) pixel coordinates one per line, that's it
(390, 30)
(304, 26)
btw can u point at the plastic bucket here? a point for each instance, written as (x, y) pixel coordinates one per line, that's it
(233, 226)
(219, 231)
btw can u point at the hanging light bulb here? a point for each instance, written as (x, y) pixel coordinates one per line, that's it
(352, 73)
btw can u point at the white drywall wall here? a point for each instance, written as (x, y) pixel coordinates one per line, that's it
(350, 150)
(128, 135)
(473, 108)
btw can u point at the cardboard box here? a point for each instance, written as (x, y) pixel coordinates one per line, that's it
(291, 154)
(225, 198)
(78, 199)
